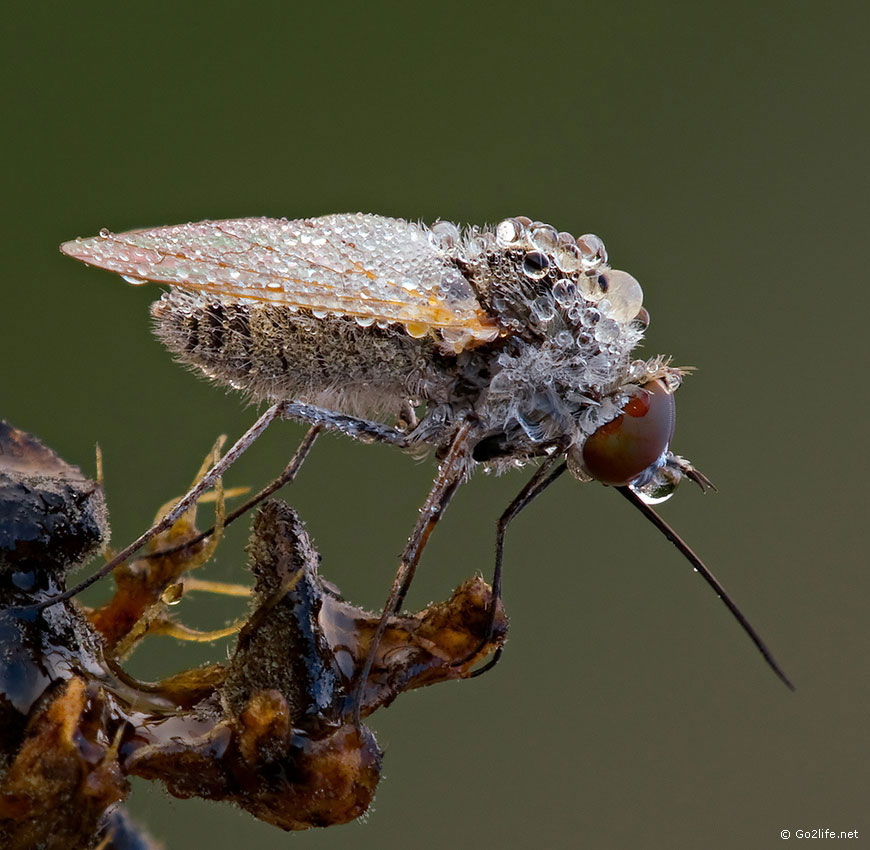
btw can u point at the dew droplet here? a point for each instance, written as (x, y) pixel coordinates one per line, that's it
(656, 497)
(475, 248)
(642, 317)
(592, 248)
(456, 337)
(564, 292)
(417, 330)
(542, 309)
(607, 330)
(590, 317)
(510, 233)
(567, 257)
(535, 265)
(274, 285)
(445, 234)
(637, 370)
(136, 281)
(590, 287)
(105, 233)
(545, 238)
(623, 292)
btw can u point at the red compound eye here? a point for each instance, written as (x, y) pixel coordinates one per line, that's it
(623, 448)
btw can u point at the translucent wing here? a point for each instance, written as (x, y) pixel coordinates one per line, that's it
(367, 267)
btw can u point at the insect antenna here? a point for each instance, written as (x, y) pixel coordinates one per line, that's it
(700, 568)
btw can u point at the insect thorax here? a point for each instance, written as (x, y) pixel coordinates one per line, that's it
(573, 322)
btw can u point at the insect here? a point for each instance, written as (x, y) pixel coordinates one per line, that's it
(489, 346)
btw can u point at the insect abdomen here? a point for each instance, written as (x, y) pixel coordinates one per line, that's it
(275, 354)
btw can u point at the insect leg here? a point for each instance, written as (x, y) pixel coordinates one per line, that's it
(286, 477)
(319, 418)
(543, 478)
(363, 430)
(239, 447)
(450, 475)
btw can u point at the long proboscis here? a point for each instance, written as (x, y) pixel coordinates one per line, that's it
(700, 568)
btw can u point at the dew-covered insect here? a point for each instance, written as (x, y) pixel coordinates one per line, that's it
(491, 346)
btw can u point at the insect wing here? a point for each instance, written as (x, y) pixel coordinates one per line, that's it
(368, 267)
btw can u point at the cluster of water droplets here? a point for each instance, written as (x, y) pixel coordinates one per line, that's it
(589, 317)
(581, 266)
(569, 254)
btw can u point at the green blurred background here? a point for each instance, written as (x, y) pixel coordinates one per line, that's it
(721, 152)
